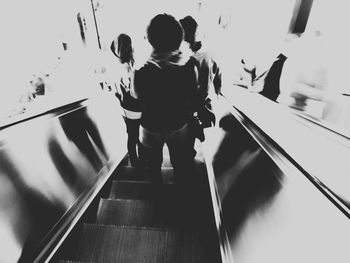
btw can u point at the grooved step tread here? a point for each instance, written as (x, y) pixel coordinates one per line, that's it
(132, 245)
(73, 261)
(140, 190)
(138, 174)
(135, 213)
(166, 162)
(166, 156)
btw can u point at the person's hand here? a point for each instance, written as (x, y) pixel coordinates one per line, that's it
(207, 117)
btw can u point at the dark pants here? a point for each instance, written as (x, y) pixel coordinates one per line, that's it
(132, 128)
(180, 145)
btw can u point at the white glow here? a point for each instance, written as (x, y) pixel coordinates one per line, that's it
(32, 47)
(33, 33)
(9, 245)
(331, 20)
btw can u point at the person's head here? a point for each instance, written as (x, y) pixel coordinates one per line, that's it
(164, 33)
(122, 48)
(190, 26)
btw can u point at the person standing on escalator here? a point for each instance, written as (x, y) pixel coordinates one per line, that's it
(208, 71)
(166, 85)
(132, 108)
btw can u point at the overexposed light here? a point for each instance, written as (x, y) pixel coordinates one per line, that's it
(9, 245)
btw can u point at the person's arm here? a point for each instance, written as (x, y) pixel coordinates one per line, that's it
(217, 82)
(135, 84)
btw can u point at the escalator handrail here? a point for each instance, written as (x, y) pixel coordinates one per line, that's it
(284, 159)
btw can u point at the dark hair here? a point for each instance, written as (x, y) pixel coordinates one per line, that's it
(164, 33)
(122, 48)
(189, 26)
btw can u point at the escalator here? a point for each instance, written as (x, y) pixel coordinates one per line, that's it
(68, 194)
(134, 224)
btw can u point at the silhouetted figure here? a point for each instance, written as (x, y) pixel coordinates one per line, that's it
(266, 83)
(122, 49)
(271, 88)
(208, 71)
(166, 85)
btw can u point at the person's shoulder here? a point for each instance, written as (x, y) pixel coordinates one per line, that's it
(145, 72)
(146, 68)
(205, 55)
(205, 58)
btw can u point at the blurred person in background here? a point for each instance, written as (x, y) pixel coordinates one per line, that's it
(305, 78)
(38, 95)
(264, 78)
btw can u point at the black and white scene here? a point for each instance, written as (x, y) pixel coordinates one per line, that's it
(188, 131)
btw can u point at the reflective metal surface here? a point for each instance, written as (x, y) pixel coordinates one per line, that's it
(47, 165)
(321, 153)
(270, 215)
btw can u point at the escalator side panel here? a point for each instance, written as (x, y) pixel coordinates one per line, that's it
(49, 166)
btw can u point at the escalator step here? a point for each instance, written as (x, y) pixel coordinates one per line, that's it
(140, 190)
(130, 173)
(130, 244)
(73, 261)
(199, 154)
(143, 213)
(166, 163)
(138, 174)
